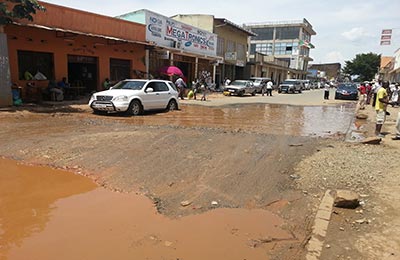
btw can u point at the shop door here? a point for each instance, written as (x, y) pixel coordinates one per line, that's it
(83, 72)
(119, 69)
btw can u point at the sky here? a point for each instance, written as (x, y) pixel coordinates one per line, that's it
(344, 28)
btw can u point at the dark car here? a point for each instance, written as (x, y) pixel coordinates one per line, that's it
(347, 91)
(291, 86)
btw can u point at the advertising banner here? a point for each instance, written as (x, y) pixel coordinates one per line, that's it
(167, 32)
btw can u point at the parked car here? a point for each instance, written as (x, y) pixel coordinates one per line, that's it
(291, 86)
(135, 96)
(240, 88)
(306, 84)
(259, 82)
(347, 91)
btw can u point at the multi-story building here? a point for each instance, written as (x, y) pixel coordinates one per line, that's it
(288, 41)
(232, 43)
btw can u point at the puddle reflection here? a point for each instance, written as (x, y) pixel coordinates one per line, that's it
(262, 118)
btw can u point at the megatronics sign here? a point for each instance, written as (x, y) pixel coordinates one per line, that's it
(167, 32)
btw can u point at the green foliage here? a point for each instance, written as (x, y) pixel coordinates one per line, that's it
(365, 65)
(11, 10)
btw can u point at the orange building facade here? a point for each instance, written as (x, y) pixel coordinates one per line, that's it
(85, 48)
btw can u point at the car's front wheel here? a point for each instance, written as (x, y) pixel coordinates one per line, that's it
(135, 108)
(172, 105)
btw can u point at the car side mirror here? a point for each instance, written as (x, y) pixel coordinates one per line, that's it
(149, 90)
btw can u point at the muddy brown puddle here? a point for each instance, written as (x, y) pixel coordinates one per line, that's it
(53, 214)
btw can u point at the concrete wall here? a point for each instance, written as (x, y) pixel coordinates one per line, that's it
(5, 83)
(81, 21)
(203, 21)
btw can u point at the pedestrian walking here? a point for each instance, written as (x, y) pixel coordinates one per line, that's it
(397, 137)
(196, 86)
(204, 91)
(263, 88)
(326, 91)
(369, 93)
(375, 89)
(362, 98)
(269, 88)
(180, 83)
(380, 107)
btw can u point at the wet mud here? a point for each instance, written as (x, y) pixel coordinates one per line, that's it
(53, 214)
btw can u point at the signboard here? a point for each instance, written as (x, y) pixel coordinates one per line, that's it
(163, 55)
(387, 31)
(386, 36)
(230, 55)
(240, 63)
(167, 32)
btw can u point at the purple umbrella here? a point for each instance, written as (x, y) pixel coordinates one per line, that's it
(171, 70)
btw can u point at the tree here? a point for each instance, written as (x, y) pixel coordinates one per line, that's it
(364, 65)
(11, 10)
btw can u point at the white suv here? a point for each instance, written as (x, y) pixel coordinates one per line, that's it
(135, 96)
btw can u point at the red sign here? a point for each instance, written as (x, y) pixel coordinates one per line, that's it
(386, 37)
(385, 42)
(387, 31)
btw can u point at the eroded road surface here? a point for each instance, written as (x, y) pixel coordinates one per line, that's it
(219, 182)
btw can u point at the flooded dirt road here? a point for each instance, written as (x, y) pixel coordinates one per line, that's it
(213, 176)
(52, 214)
(321, 121)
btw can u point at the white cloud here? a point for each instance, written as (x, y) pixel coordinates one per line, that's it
(334, 56)
(356, 34)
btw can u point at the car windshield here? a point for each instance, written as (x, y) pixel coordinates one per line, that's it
(239, 83)
(289, 82)
(347, 87)
(134, 85)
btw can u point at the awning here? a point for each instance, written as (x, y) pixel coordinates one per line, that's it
(84, 34)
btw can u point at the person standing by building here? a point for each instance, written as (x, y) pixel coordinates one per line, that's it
(326, 91)
(363, 93)
(227, 81)
(106, 84)
(380, 107)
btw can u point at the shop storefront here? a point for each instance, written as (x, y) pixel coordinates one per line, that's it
(49, 50)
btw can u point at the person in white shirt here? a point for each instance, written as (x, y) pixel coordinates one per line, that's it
(181, 86)
(269, 88)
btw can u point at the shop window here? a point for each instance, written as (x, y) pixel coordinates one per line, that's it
(34, 62)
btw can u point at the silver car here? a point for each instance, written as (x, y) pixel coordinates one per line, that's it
(240, 88)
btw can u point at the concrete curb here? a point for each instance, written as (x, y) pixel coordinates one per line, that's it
(321, 222)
